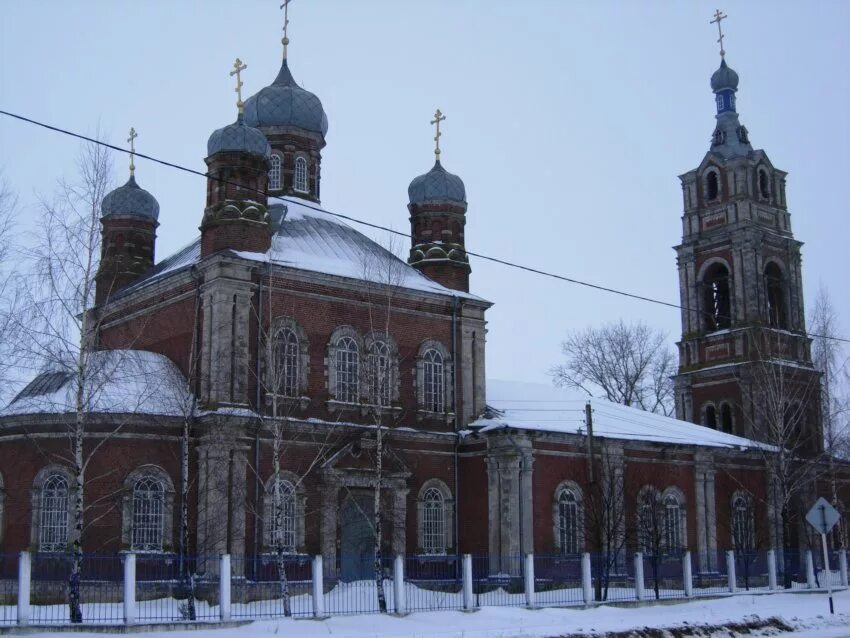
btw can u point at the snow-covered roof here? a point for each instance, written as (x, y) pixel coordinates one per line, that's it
(546, 408)
(117, 381)
(309, 238)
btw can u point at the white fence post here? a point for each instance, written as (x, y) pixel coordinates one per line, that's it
(842, 566)
(639, 586)
(129, 589)
(810, 570)
(24, 581)
(468, 599)
(730, 571)
(529, 580)
(586, 578)
(687, 575)
(224, 588)
(771, 569)
(318, 588)
(398, 584)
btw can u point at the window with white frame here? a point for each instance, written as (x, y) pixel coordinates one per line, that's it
(284, 377)
(569, 538)
(148, 515)
(280, 514)
(434, 381)
(53, 514)
(301, 175)
(347, 370)
(274, 173)
(743, 522)
(649, 521)
(433, 522)
(672, 524)
(380, 374)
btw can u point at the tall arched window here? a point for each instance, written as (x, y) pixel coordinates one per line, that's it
(433, 522)
(672, 524)
(710, 420)
(274, 173)
(717, 307)
(774, 286)
(380, 374)
(347, 369)
(568, 522)
(148, 515)
(764, 184)
(433, 370)
(649, 521)
(726, 418)
(53, 523)
(301, 175)
(284, 377)
(712, 185)
(280, 517)
(743, 522)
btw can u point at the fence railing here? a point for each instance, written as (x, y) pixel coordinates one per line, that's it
(156, 588)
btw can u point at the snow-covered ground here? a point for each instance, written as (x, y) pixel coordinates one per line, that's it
(808, 613)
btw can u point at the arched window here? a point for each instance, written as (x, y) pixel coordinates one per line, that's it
(712, 184)
(2, 510)
(774, 286)
(380, 374)
(716, 300)
(281, 528)
(743, 522)
(710, 420)
(53, 523)
(347, 370)
(274, 173)
(672, 524)
(433, 522)
(726, 418)
(649, 521)
(285, 375)
(764, 184)
(433, 370)
(569, 520)
(301, 175)
(148, 515)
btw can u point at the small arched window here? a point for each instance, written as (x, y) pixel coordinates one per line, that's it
(301, 175)
(712, 185)
(274, 173)
(717, 307)
(434, 381)
(280, 517)
(433, 522)
(568, 522)
(284, 375)
(726, 418)
(53, 523)
(764, 184)
(672, 524)
(743, 523)
(380, 374)
(775, 288)
(710, 420)
(347, 370)
(148, 515)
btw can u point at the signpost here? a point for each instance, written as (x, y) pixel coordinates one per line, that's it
(823, 518)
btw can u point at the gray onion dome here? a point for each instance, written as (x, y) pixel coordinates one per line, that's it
(130, 199)
(284, 103)
(724, 78)
(437, 184)
(238, 137)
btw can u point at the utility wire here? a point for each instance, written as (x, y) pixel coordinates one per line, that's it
(362, 222)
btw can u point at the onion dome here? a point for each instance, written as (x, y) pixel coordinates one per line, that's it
(239, 138)
(724, 78)
(437, 184)
(130, 199)
(284, 103)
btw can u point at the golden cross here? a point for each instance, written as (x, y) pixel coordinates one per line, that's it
(438, 117)
(238, 67)
(285, 41)
(718, 16)
(131, 140)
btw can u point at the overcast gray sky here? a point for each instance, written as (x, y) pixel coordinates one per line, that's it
(568, 121)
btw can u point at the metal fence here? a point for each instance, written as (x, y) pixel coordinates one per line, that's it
(8, 589)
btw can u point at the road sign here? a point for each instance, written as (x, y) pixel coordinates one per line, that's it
(823, 516)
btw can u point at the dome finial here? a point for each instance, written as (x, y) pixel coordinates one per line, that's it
(132, 141)
(285, 40)
(438, 117)
(718, 17)
(238, 67)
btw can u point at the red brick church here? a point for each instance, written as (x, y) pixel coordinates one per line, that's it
(283, 318)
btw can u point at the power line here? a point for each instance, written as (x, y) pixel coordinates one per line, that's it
(497, 260)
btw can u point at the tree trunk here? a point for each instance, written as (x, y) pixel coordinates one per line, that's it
(379, 571)
(186, 574)
(278, 514)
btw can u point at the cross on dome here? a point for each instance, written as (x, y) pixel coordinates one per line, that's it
(718, 17)
(438, 117)
(131, 140)
(285, 40)
(238, 67)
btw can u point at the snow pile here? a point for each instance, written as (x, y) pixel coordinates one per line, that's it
(116, 381)
(534, 406)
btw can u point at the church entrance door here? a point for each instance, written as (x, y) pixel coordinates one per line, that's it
(357, 538)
